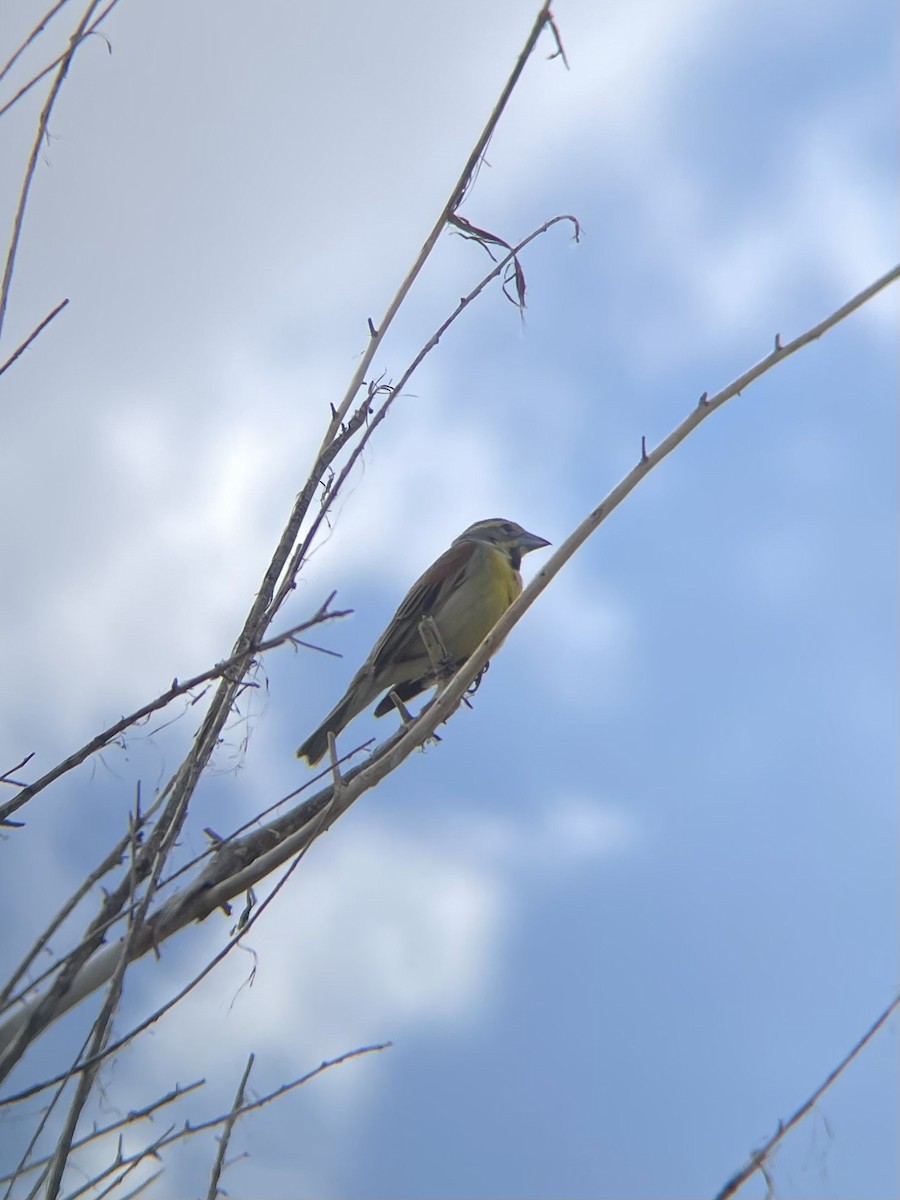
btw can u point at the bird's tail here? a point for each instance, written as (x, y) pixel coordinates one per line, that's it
(354, 701)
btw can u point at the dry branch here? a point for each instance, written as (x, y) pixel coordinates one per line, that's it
(176, 796)
(237, 865)
(38, 329)
(216, 1173)
(759, 1159)
(133, 1116)
(64, 62)
(191, 1129)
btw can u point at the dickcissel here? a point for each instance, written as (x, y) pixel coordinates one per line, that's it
(465, 593)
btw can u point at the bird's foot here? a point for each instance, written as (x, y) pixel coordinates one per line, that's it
(476, 684)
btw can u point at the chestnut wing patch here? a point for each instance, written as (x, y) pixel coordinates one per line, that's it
(401, 641)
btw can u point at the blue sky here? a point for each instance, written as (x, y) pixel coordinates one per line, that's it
(641, 899)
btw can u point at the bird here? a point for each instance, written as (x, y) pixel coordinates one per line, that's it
(464, 592)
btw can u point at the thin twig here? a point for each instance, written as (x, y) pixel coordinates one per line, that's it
(216, 1173)
(62, 1083)
(151, 938)
(7, 775)
(35, 33)
(131, 1118)
(36, 79)
(129, 1163)
(219, 671)
(64, 63)
(454, 200)
(170, 1137)
(396, 390)
(100, 1031)
(34, 333)
(8, 997)
(758, 1159)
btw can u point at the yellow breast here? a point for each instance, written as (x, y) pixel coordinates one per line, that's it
(471, 612)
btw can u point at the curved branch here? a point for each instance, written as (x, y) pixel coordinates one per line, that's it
(239, 864)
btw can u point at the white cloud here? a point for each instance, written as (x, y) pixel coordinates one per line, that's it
(580, 641)
(563, 833)
(378, 935)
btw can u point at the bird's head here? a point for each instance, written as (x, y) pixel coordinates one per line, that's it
(507, 536)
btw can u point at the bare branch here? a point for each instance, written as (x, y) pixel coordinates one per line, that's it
(26, 87)
(35, 33)
(131, 1118)
(64, 63)
(146, 933)
(171, 1136)
(216, 1173)
(129, 1163)
(191, 1130)
(39, 328)
(238, 865)
(99, 1033)
(219, 671)
(112, 859)
(34, 1016)
(455, 199)
(758, 1160)
(396, 390)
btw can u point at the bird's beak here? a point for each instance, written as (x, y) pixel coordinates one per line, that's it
(530, 541)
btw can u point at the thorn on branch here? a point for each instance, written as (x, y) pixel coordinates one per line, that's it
(778, 345)
(643, 449)
(703, 402)
(373, 332)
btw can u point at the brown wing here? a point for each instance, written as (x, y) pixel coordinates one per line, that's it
(401, 641)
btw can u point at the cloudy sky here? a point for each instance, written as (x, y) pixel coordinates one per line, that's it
(643, 897)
